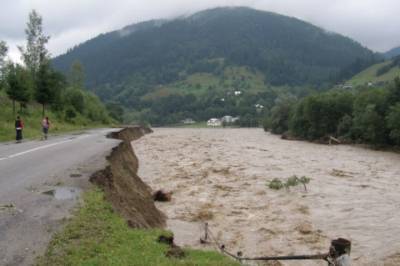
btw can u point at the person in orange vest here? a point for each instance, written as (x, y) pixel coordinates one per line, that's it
(19, 126)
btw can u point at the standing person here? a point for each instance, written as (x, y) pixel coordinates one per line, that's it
(45, 127)
(19, 125)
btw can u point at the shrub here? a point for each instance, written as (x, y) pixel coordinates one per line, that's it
(292, 181)
(276, 184)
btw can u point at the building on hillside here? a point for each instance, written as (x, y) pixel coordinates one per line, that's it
(188, 121)
(214, 122)
(347, 86)
(227, 119)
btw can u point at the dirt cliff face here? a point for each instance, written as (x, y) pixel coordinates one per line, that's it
(129, 195)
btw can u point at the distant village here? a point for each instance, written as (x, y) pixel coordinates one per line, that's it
(226, 120)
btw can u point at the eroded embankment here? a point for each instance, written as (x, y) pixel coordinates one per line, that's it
(128, 194)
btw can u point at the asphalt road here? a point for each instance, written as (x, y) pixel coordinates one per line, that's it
(40, 182)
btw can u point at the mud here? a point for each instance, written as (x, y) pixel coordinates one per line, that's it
(221, 176)
(128, 194)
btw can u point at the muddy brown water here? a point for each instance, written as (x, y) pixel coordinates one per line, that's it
(220, 176)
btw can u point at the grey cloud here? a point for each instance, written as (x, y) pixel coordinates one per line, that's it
(69, 22)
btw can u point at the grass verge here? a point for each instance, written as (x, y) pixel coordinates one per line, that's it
(96, 235)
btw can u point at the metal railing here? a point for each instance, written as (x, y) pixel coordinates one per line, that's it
(338, 255)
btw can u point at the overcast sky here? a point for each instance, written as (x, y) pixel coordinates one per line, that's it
(373, 23)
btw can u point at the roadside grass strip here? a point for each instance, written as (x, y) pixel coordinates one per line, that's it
(96, 235)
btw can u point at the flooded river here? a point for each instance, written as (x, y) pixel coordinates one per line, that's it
(221, 176)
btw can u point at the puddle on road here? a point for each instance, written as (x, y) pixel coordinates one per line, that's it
(64, 193)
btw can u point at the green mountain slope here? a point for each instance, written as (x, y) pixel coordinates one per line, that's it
(167, 70)
(379, 73)
(285, 50)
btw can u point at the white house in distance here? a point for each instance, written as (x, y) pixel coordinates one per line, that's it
(229, 119)
(214, 122)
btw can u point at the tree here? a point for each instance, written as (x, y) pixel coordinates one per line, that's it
(116, 111)
(3, 53)
(49, 84)
(278, 120)
(19, 85)
(319, 115)
(370, 109)
(371, 126)
(75, 98)
(393, 123)
(394, 92)
(35, 53)
(76, 76)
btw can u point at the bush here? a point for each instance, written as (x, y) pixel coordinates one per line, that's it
(317, 116)
(70, 114)
(75, 98)
(276, 184)
(278, 120)
(292, 181)
(344, 126)
(393, 123)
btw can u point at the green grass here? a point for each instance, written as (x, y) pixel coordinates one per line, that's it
(32, 117)
(232, 78)
(98, 236)
(369, 75)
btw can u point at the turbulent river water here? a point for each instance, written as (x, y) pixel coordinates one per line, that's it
(221, 176)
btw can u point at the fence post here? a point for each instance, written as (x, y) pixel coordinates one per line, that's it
(340, 252)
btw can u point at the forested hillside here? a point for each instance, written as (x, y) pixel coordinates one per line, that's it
(378, 74)
(207, 56)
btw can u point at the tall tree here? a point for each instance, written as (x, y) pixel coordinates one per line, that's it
(35, 52)
(76, 76)
(3, 53)
(18, 84)
(49, 84)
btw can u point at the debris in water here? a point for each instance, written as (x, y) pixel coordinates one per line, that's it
(4, 207)
(304, 228)
(75, 175)
(340, 173)
(204, 214)
(160, 195)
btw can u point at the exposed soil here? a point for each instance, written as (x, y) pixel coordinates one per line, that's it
(220, 176)
(128, 194)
